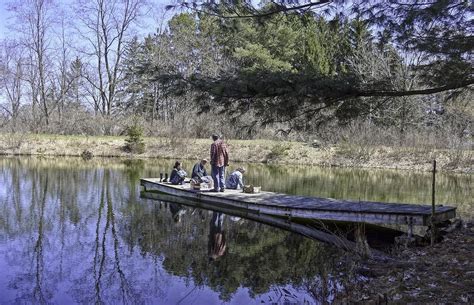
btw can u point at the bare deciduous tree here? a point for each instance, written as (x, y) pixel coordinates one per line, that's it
(34, 21)
(106, 27)
(11, 79)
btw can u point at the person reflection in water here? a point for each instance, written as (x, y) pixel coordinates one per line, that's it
(217, 240)
(176, 212)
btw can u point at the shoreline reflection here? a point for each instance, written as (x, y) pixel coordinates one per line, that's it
(75, 232)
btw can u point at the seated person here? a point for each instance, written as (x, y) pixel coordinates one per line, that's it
(199, 170)
(235, 180)
(177, 174)
(200, 174)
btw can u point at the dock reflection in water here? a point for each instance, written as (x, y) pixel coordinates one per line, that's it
(76, 232)
(239, 258)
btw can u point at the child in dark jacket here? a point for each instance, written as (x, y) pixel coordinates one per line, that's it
(177, 174)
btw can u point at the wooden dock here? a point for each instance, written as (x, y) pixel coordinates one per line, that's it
(289, 206)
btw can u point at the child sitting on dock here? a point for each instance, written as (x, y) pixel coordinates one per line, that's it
(177, 174)
(235, 180)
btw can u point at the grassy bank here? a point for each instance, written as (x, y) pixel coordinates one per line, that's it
(284, 152)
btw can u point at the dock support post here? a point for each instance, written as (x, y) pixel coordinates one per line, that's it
(288, 215)
(410, 227)
(433, 185)
(362, 246)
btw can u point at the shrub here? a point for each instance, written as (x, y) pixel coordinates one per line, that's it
(134, 141)
(278, 151)
(86, 155)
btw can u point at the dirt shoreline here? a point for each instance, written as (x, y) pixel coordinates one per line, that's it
(255, 151)
(439, 274)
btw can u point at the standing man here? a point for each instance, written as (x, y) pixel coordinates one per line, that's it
(219, 160)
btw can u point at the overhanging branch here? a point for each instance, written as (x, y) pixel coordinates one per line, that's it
(254, 13)
(452, 86)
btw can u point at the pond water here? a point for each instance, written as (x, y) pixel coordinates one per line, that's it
(77, 232)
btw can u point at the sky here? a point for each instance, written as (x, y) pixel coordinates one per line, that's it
(5, 16)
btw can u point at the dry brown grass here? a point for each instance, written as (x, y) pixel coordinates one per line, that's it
(284, 152)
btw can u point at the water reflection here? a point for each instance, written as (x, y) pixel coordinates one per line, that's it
(176, 212)
(217, 241)
(227, 254)
(101, 251)
(78, 232)
(38, 293)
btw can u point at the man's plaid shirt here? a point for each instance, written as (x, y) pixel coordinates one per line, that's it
(219, 155)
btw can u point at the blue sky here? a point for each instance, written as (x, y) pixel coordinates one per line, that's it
(5, 15)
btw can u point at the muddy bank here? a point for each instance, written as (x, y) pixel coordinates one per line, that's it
(439, 274)
(271, 151)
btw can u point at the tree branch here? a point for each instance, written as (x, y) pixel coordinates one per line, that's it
(278, 8)
(451, 86)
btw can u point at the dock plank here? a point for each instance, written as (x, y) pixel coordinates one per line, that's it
(310, 207)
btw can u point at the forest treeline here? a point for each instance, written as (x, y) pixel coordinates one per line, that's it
(326, 74)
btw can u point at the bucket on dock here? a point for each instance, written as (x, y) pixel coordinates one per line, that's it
(196, 185)
(251, 189)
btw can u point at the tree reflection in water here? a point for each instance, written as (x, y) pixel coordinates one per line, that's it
(240, 254)
(77, 232)
(71, 215)
(126, 294)
(32, 280)
(38, 293)
(91, 239)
